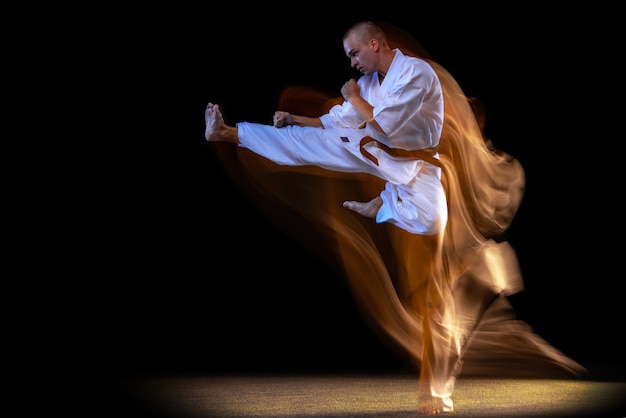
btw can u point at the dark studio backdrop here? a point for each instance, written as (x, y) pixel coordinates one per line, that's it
(196, 280)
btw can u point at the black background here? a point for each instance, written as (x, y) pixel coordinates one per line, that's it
(188, 277)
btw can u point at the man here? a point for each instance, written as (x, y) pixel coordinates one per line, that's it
(397, 105)
(431, 272)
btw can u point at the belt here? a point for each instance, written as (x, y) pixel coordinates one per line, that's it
(425, 154)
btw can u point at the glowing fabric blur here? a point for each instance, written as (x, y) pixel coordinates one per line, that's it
(440, 302)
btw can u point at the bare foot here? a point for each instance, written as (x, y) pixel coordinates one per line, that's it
(434, 406)
(428, 410)
(214, 122)
(367, 209)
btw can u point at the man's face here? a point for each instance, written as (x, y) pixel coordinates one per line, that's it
(362, 55)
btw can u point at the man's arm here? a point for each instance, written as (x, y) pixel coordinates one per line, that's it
(351, 92)
(282, 118)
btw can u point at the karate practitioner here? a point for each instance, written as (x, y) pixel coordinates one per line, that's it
(428, 286)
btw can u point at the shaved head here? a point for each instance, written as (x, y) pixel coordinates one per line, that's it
(364, 31)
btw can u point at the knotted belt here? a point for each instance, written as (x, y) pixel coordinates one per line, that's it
(425, 154)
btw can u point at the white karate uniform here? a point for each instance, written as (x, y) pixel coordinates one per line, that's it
(408, 106)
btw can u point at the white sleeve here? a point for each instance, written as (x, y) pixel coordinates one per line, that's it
(342, 116)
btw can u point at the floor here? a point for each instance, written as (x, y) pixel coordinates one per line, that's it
(353, 395)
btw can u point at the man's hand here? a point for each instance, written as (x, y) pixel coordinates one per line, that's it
(282, 119)
(350, 89)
